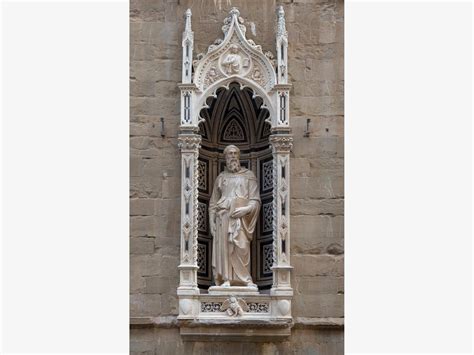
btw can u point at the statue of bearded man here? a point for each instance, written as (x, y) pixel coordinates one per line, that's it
(233, 214)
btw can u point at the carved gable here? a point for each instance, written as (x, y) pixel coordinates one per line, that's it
(234, 56)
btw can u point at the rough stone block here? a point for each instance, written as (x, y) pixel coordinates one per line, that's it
(317, 265)
(145, 265)
(169, 303)
(325, 187)
(142, 226)
(142, 89)
(315, 234)
(319, 285)
(148, 305)
(314, 207)
(319, 305)
(145, 187)
(137, 282)
(300, 167)
(158, 284)
(141, 10)
(318, 146)
(169, 266)
(140, 142)
(171, 188)
(142, 71)
(142, 207)
(142, 245)
(136, 167)
(151, 129)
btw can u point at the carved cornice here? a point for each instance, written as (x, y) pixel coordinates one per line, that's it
(281, 144)
(187, 86)
(189, 142)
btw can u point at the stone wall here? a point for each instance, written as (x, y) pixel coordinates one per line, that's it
(302, 341)
(316, 65)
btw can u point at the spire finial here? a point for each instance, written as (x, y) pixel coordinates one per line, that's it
(234, 11)
(187, 15)
(281, 29)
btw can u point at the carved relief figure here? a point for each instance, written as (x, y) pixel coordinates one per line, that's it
(211, 76)
(258, 77)
(233, 214)
(234, 306)
(233, 61)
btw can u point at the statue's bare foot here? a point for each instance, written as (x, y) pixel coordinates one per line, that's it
(226, 284)
(251, 284)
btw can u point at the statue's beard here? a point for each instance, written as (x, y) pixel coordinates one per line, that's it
(233, 165)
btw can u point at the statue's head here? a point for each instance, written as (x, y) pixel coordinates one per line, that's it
(232, 158)
(234, 49)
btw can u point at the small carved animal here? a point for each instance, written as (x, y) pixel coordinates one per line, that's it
(234, 306)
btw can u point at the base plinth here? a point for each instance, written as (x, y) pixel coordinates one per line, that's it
(234, 290)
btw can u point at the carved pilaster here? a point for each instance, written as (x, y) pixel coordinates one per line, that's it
(189, 145)
(282, 105)
(188, 97)
(281, 147)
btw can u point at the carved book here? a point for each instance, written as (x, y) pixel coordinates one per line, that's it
(237, 203)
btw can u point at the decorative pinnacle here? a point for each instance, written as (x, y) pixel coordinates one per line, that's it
(281, 28)
(234, 11)
(187, 15)
(281, 12)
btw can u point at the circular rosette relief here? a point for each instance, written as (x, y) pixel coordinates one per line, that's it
(234, 61)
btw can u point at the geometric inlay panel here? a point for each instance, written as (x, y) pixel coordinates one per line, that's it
(233, 132)
(258, 307)
(267, 175)
(202, 217)
(211, 307)
(202, 175)
(202, 258)
(254, 307)
(267, 258)
(267, 217)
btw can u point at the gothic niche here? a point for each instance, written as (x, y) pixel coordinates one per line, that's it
(235, 117)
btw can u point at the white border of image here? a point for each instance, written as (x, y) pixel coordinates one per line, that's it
(408, 178)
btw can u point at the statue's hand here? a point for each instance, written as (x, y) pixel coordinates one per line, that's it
(241, 211)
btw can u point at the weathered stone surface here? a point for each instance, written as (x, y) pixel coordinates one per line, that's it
(312, 207)
(145, 305)
(302, 341)
(318, 285)
(142, 226)
(142, 207)
(319, 305)
(157, 284)
(142, 245)
(136, 167)
(317, 265)
(324, 187)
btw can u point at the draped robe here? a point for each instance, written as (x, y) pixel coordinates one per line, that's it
(232, 236)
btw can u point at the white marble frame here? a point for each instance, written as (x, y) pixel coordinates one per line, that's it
(257, 71)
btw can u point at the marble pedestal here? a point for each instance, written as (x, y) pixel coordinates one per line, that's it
(234, 290)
